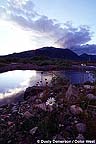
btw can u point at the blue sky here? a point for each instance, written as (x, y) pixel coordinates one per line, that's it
(31, 24)
(78, 11)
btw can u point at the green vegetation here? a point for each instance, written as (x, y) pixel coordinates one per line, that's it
(39, 61)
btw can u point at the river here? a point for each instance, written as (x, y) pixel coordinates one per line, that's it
(15, 82)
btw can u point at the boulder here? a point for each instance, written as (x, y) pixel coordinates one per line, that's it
(76, 110)
(32, 91)
(72, 93)
(91, 97)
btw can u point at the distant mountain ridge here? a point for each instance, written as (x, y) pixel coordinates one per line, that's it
(88, 49)
(52, 52)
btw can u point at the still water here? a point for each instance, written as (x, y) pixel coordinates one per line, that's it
(14, 82)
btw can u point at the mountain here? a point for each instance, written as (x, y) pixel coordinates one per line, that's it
(88, 49)
(52, 52)
(87, 57)
(49, 52)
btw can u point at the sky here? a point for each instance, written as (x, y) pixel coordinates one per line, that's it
(31, 24)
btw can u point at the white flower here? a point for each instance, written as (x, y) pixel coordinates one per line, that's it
(50, 101)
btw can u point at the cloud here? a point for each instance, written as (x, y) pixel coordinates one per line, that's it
(74, 36)
(23, 13)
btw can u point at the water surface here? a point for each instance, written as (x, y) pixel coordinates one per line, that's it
(15, 82)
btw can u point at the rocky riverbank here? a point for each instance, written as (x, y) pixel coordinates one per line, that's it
(59, 111)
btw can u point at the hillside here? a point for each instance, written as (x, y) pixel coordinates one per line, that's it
(49, 52)
(52, 52)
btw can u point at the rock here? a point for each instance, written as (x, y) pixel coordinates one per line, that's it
(1, 109)
(76, 110)
(27, 115)
(72, 93)
(38, 101)
(33, 131)
(9, 141)
(80, 137)
(41, 95)
(61, 125)
(91, 96)
(81, 127)
(88, 87)
(41, 106)
(69, 129)
(14, 109)
(58, 137)
(10, 123)
(32, 91)
(75, 121)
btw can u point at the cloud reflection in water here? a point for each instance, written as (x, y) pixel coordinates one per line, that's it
(21, 86)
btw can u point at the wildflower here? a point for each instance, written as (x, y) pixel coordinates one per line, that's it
(50, 101)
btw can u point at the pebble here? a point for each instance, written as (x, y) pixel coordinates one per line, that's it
(10, 123)
(91, 96)
(88, 87)
(14, 109)
(58, 137)
(9, 141)
(27, 115)
(38, 101)
(81, 127)
(41, 106)
(21, 126)
(33, 131)
(76, 110)
(80, 137)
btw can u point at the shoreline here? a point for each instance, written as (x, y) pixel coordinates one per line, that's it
(21, 66)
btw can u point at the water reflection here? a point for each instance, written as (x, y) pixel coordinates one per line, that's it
(11, 92)
(15, 82)
(77, 76)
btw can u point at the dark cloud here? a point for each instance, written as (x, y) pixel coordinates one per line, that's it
(23, 12)
(75, 36)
